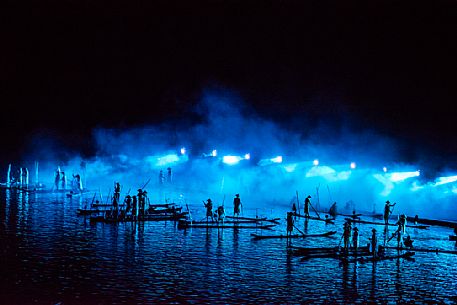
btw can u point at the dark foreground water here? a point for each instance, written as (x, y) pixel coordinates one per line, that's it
(50, 255)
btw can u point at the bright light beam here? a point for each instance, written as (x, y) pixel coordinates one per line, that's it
(231, 160)
(444, 180)
(400, 176)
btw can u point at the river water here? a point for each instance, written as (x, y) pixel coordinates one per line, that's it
(49, 255)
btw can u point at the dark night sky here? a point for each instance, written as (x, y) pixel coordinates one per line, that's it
(68, 66)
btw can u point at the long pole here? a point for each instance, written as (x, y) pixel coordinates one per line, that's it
(147, 182)
(298, 203)
(299, 230)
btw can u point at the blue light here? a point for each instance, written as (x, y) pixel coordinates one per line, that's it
(247, 156)
(400, 176)
(290, 167)
(265, 162)
(214, 153)
(384, 169)
(444, 180)
(316, 162)
(353, 165)
(183, 151)
(231, 160)
(277, 159)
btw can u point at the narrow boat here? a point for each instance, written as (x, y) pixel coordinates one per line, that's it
(186, 225)
(383, 224)
(337, 255)
(260, 219)
(406, 255)
(225, 221)
(422, 250)
(257, 237)
(306, 250)
(130, 218)
(327, 220)
(433, 222)
(453, 237)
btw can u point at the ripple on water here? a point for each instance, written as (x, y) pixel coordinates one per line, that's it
(50, 255)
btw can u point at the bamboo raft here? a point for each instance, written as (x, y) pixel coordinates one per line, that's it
(383, 224)
(422, 250)
(209, 225)
(364, 259)
(327, 220)
(265, 219)
(257, 237)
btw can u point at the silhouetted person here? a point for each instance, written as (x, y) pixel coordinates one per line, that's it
(290, 223)
(374, 243)
(117, 191)
(128, 203)
(387, 211)
(220, 214)
(294, 208)
(402, 223)
(408, 242)
(355, 238)
(346, 235)
(209, 209)
(416, 219)
(161, 177)
(169, 175)
(236, 205)
(63, 180)
(307, 204)
(76, 184)
(134, 207)
(57, 178)
(140, 203)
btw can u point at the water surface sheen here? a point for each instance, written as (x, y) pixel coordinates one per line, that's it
(50, 255)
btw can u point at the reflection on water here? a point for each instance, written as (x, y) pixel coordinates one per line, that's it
(50, 255)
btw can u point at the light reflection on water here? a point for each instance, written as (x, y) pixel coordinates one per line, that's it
(50, 255)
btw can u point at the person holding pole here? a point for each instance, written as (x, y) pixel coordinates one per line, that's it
(307, 204)
(388, 211)
(290, 223)
(236, 205)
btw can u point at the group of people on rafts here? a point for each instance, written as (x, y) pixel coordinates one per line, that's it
(219, 214)
(350, 235)
(132, 205)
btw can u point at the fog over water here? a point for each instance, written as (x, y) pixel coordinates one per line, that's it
(228, 125)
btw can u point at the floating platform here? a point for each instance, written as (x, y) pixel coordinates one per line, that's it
(383, 224)
(257, 236)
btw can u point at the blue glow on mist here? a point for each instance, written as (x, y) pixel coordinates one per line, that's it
(233, 128)
(231, 160)
(445, 180)
(400, 176)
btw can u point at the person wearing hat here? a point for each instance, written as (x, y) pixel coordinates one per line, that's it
(402, 223)
(374, 242)
(307, 204)
(388, 211)
(236, 205)
(347, 235)
(355, 238)
(140, 203)
(290, 223)
(209, 209)
(128, 202)
(134, 207)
